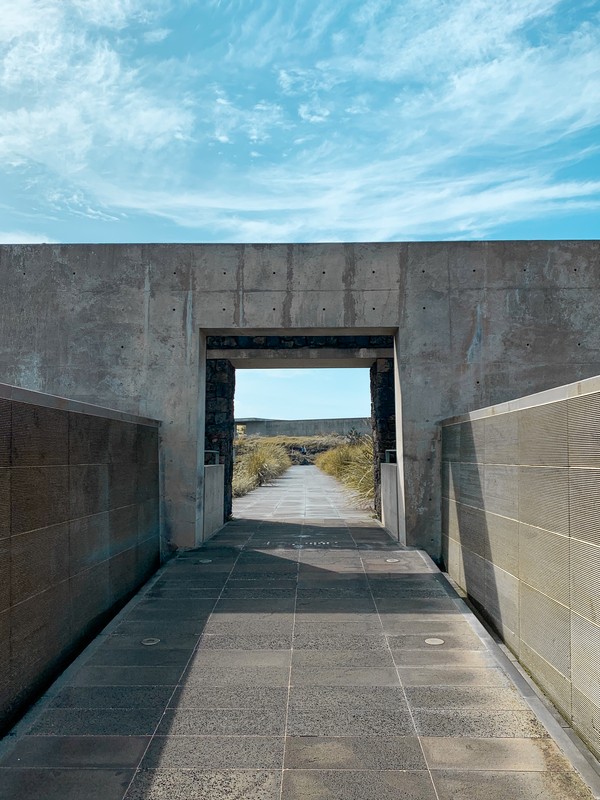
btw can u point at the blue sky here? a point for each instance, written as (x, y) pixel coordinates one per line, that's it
(271, 120)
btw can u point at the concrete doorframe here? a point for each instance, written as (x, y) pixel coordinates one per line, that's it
(328, 360)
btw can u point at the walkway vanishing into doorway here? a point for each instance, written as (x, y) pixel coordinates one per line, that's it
(300, 654)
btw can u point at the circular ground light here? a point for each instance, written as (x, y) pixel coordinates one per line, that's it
(150, 641)
(392, 560)
(205, 561)
(433, 640)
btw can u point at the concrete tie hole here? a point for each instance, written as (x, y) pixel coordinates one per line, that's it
(434, 641)
(150, 641)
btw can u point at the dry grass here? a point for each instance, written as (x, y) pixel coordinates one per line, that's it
(256, 463)
(301, 449)
(352, 464)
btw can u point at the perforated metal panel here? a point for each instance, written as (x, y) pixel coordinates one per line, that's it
(453, 558)
(474, 575)
(472, 441)
(544, 562)
(586, 720)
(5, 425)
(450, 479)
(451, 443)
(471, 484)
(543, 435)
(584, 504)
(4, 503)
(502, 439)
(543, 498)
(586, 657)
(584, 431)
(556, 685)
(502, 490)
(471, 529)
(39, 436)
(546, 628)
(586, 686)
(538, 525)
(450, 519)
(502, 598)
(585, 580)
(503, 542)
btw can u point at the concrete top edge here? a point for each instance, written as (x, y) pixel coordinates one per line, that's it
(242, 420)
(569, 390)
(20, 395)
(420, 242)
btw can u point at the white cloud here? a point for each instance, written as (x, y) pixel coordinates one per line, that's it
(70, 98)
(22, 237)
(313, 111)
(255, 123)
(374, 121)
(157, 35)
(116, 13)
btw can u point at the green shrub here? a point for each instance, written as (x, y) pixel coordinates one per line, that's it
(352, 464)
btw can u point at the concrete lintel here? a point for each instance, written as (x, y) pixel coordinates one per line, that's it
(293, 331)
(300, 358)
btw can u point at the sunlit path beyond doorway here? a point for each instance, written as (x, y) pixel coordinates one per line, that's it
(303, 494)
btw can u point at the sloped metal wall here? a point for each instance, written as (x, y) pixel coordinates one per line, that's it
(79, 531)
(521, 534)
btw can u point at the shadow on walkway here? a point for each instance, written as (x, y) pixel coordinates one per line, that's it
(294, 656)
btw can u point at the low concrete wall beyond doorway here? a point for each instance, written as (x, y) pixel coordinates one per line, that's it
(521, 534)
(79, 531)
(214, 493)
(305, 427)
(389, 498)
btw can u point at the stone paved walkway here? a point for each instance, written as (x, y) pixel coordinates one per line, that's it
(299, 655)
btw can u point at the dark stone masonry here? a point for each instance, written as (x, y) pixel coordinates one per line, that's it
(219, 430)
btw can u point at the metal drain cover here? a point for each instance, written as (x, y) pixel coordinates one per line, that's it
(433, 640)
(150, 641)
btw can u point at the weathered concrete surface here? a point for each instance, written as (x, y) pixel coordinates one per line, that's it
(389, 498)
(292, 664)
(305, 427)
(214, 490)
(475, 324)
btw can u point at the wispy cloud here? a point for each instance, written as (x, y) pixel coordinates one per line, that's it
(156, 35)
(377, 120)
(69, 94)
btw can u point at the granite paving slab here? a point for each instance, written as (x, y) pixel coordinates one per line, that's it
(294, 665)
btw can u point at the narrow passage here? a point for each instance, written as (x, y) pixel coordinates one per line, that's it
(301, 654)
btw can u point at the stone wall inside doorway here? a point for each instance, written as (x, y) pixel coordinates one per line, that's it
(383, 418)
(219, 425)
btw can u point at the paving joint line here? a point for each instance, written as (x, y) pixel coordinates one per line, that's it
(137, 769)
(402, 687)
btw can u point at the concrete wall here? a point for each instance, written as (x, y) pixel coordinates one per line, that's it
(389, 498)
(474, 323)
(521, 529)
(305, 427)
(79, 531)
(214, 492)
